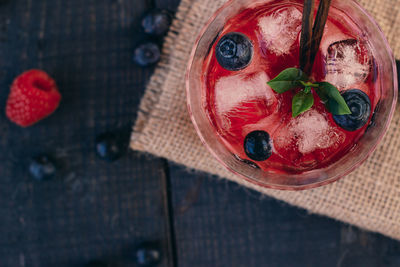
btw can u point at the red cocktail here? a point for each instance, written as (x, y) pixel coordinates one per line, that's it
(256, 42)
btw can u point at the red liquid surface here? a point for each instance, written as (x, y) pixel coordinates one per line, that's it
(239, 102)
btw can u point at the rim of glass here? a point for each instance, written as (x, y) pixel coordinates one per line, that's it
(291, 187)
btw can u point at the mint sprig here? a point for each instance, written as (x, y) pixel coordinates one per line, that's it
(288, 79)
(293, 78)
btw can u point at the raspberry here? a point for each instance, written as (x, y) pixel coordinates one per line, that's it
(33, 96)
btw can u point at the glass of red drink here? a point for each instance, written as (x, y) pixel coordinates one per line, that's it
(250, 129)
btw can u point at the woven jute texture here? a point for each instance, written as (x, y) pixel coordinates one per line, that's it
(368, 198)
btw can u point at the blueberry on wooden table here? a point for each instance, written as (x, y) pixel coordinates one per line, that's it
(257, 145)
(109, 146)
(360, 107)
(146, 54)
(156, 22)
(234, 51)
(42, 167)
(148, 254)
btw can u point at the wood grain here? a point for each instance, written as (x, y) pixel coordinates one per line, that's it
(92, 209)
(219, 223)
(98, 210)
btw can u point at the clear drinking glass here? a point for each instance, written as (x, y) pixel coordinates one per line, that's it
(366, 145)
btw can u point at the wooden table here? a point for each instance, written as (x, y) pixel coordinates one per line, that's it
(99, 210)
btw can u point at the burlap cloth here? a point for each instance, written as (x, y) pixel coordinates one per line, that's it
(368, 198)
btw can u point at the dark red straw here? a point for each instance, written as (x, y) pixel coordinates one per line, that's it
(310, 45)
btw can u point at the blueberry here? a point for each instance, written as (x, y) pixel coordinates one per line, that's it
(234, 51)
(146, 54)
(156, 22)
(109, 146)
(148, 254)
(257, 145)
(359, 105)
(42, 167)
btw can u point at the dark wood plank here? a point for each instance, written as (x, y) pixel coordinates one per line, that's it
(92, 209)
(167, 4)
(219, 223)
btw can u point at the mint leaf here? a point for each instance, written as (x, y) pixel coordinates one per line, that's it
(287, 79)
(323, 95)
(301, 102)
(332, 98)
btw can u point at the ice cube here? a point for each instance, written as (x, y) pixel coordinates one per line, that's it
(243, 100)
(281, 29)
(313, 131)
(285, 143)
(332, 34)
(232, 92)
(348, 62)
